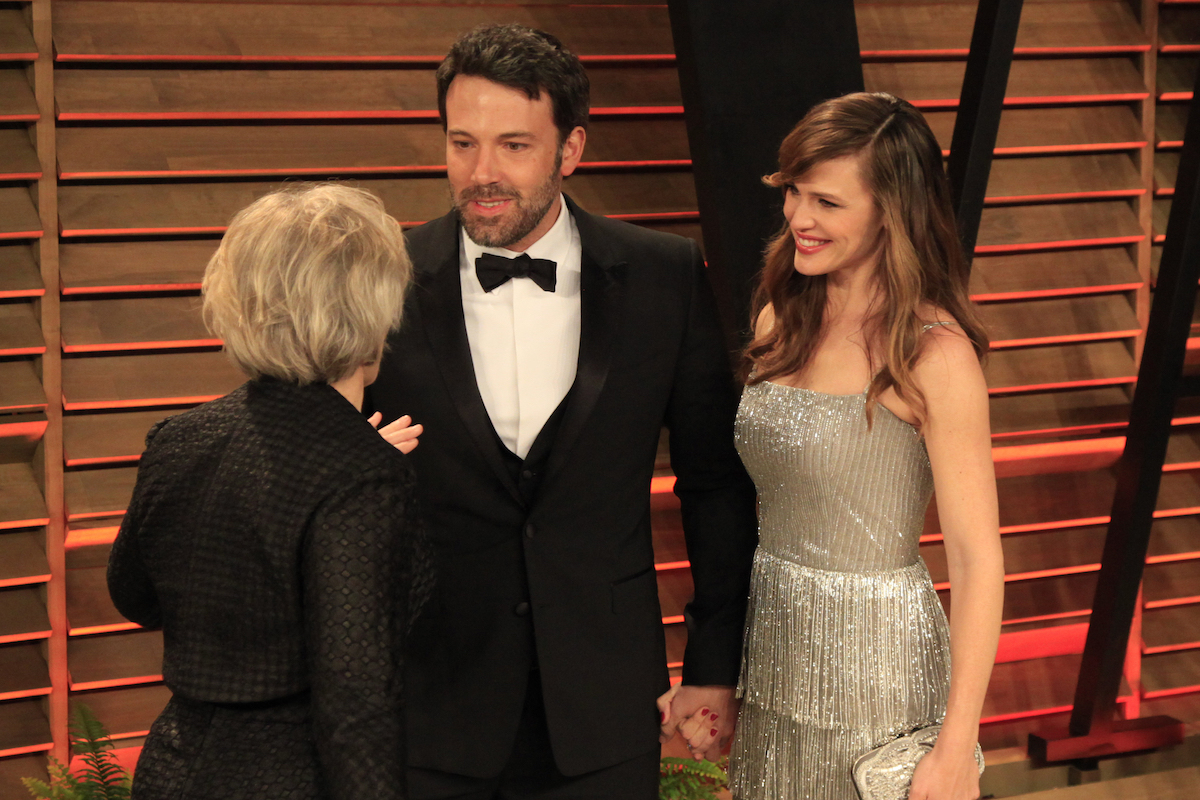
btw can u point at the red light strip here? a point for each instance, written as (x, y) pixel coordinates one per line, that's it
(21, 235)
(118, 512)
(1060, 196)
(1031, 714)
(1066, 99)
(88, 462)
(87, 537)
(1179, 48)
(432, 61)
(33, 748)
(1049, 149)
(1048, 617)
(1099, 336)
(84, 686)
(1043, 387)
(1079, 291)
(20, 117)
(1174, 692)
(15, 293)
(114, 627)
(1171, 602)
(97, 405)
(29, 636)
(72, 232)
(24, 580)
(1169, 96)
(1026, 247)
(1170, 648)
(23, 523)
(427, 114)
(672, 620)
(133, 287)
(23, 351)
(960, 52)
(1061, 640)
(666, 566)
(17, 695)
(116, 347)
(21, 176)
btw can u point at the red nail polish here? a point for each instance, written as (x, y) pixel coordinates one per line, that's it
(704, 712)
(662, 716)
(713, 732)
(714, 716)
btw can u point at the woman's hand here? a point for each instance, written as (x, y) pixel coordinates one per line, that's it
(942, 776)
(400, 434)
(704, 716)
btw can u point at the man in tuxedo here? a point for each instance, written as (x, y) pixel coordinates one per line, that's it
(543, 350)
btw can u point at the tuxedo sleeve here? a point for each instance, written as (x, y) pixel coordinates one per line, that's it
(716, 496)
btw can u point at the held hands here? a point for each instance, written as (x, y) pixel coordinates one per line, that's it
(946, 776)
(703, 715)
(400, 434)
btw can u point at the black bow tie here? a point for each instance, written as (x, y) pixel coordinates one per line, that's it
(493, 270)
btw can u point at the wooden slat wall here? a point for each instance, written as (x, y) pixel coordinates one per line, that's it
(169, 117)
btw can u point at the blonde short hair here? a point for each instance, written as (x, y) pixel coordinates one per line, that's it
(307, 283)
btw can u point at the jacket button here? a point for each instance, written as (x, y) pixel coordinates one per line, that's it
(526, 474)
(521, 609)
(529, 530)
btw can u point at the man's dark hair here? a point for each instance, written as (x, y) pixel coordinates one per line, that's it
(525, 59)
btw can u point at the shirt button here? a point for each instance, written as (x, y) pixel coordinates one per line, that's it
(526, 474)
(529, 530)
(521, 609)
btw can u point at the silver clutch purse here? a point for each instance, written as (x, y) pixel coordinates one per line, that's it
(886, 772)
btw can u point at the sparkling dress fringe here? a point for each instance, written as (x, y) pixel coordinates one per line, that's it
(847, 645)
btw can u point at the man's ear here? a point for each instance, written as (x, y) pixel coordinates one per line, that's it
(572, 150)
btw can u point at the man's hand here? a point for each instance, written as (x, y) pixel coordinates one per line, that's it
(704, 716)
(400, 434)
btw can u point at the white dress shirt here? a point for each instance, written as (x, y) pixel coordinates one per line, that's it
(524, 341)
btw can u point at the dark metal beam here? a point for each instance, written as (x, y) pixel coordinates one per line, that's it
(979, 106)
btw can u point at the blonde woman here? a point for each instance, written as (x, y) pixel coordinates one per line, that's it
(864, 394)
(272, 534)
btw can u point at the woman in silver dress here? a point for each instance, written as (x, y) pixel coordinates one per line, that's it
(864, 394)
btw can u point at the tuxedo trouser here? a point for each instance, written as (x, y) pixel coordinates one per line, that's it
(531, 772)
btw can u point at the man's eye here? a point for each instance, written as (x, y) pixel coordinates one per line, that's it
(516, 146)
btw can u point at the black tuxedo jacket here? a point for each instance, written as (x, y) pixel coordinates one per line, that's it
(561, 578)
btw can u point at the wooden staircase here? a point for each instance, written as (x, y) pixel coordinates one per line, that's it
(131, 132)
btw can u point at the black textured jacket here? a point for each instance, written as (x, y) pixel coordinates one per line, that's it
(272, 536)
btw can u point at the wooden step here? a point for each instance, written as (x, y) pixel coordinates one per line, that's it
(1053, 274)
(1056, 178)
(115, 659)
(1056, 129)
(23, 615)
(1068, 366)
(17, 103)
(1164, 674)
(186, 151)
(23, 558)
(1178, 30)
(1022, 686)
(20, 389)
(24, 729)
(1060, 320)
(1166, 629)
(1013, 229)
(936, 84)
(944, 30)
(98, 493)
(146, 31)
(107, 438)
(364, 94)
(13, 769)
(18, 159)
(1176, 538)
(89, 607)
(18, 217)
(186, 208)
(140, 381)
(1166, 166)
(85, 535)
(19, 276)
(137, 266)
(675, 591)
(142, 323)
(20, 330)
(16, 40)
(23, 671)
(128, 711)
(21, 503)
(1176, 77)
(1170, 120)
(1168, 583)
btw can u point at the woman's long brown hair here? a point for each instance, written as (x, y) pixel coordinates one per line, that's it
(920, 258)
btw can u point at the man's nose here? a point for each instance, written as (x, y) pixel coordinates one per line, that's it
(485, 171)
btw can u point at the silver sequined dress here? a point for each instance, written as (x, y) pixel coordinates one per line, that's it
(847, 645)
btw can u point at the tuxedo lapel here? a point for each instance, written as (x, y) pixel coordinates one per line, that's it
(602, 284)
(446, 332)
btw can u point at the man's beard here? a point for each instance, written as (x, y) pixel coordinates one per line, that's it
(510, 228)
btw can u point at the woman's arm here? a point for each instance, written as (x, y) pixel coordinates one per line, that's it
(356, 578)
(957, 436)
